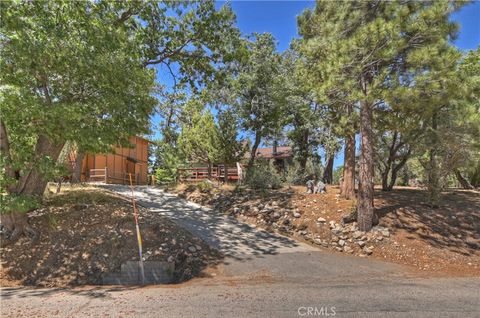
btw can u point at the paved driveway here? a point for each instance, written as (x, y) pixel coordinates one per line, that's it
(263, 275)
(233, 238)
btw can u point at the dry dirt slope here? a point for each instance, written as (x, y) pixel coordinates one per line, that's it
(86, 232)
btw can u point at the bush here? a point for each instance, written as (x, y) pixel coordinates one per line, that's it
(263, 176)
(295, 177)
(165, 175)
(205, 186)
(17, 203)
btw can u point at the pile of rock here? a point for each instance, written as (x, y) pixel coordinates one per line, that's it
(270, 213)
(278, 215)
(349, 239)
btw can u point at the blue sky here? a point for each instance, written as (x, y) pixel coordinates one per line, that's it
(279, 18)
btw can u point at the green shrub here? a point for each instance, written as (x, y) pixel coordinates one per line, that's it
(165, 175)
(205, 186)
(263, 176)
(17, 203)
(294, 175)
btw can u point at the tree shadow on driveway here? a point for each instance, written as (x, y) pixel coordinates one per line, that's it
(231, 237)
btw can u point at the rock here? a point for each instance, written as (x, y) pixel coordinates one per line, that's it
(379, 238)
(361, 243)
(236, 210)
(367, 250)
(339, 249)
(335, 239)
(296, 215)
(276, 215)
(198, 247)
(192, 249)
(357, 234)
(322, 220)
(347, 249)
(331, 224)
(341, 243)
(317, 241)
(337, 231)
(385, 233)
(170, 259)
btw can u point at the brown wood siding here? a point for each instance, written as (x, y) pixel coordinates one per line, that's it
(116, 163)
(100, 162)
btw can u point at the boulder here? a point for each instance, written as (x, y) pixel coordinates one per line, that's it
(385, 233)
(357, 234)
(367, 250)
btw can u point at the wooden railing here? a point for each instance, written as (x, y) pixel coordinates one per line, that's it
(105, 176)
(98, 175)
(201, 173)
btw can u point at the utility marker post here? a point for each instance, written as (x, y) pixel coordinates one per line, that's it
(139, 236)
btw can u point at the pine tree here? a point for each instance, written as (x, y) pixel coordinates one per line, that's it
(358, 47)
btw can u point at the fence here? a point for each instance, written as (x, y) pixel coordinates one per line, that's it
(196, 174)
(105, 176)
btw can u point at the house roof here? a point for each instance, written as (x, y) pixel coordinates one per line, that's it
(267, 153)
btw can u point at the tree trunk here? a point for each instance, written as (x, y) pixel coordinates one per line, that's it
(396, 169)
(328, 173)
(393, 178)
(303, 153)
(31, 183)
(463, 181)
(365, 191)
(253, 152)
(434, 186)
(347, 189)
(77, 170)
(388, 165)
(209, 170)
(16, 225)
(385, 183)
(5, 151)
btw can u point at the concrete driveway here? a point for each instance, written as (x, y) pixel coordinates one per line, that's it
(224, 233)
(262, 275)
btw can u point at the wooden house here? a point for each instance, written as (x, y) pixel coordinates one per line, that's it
(280, 156)
(118, 166)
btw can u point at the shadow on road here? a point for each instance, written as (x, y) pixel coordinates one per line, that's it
(94, 292)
